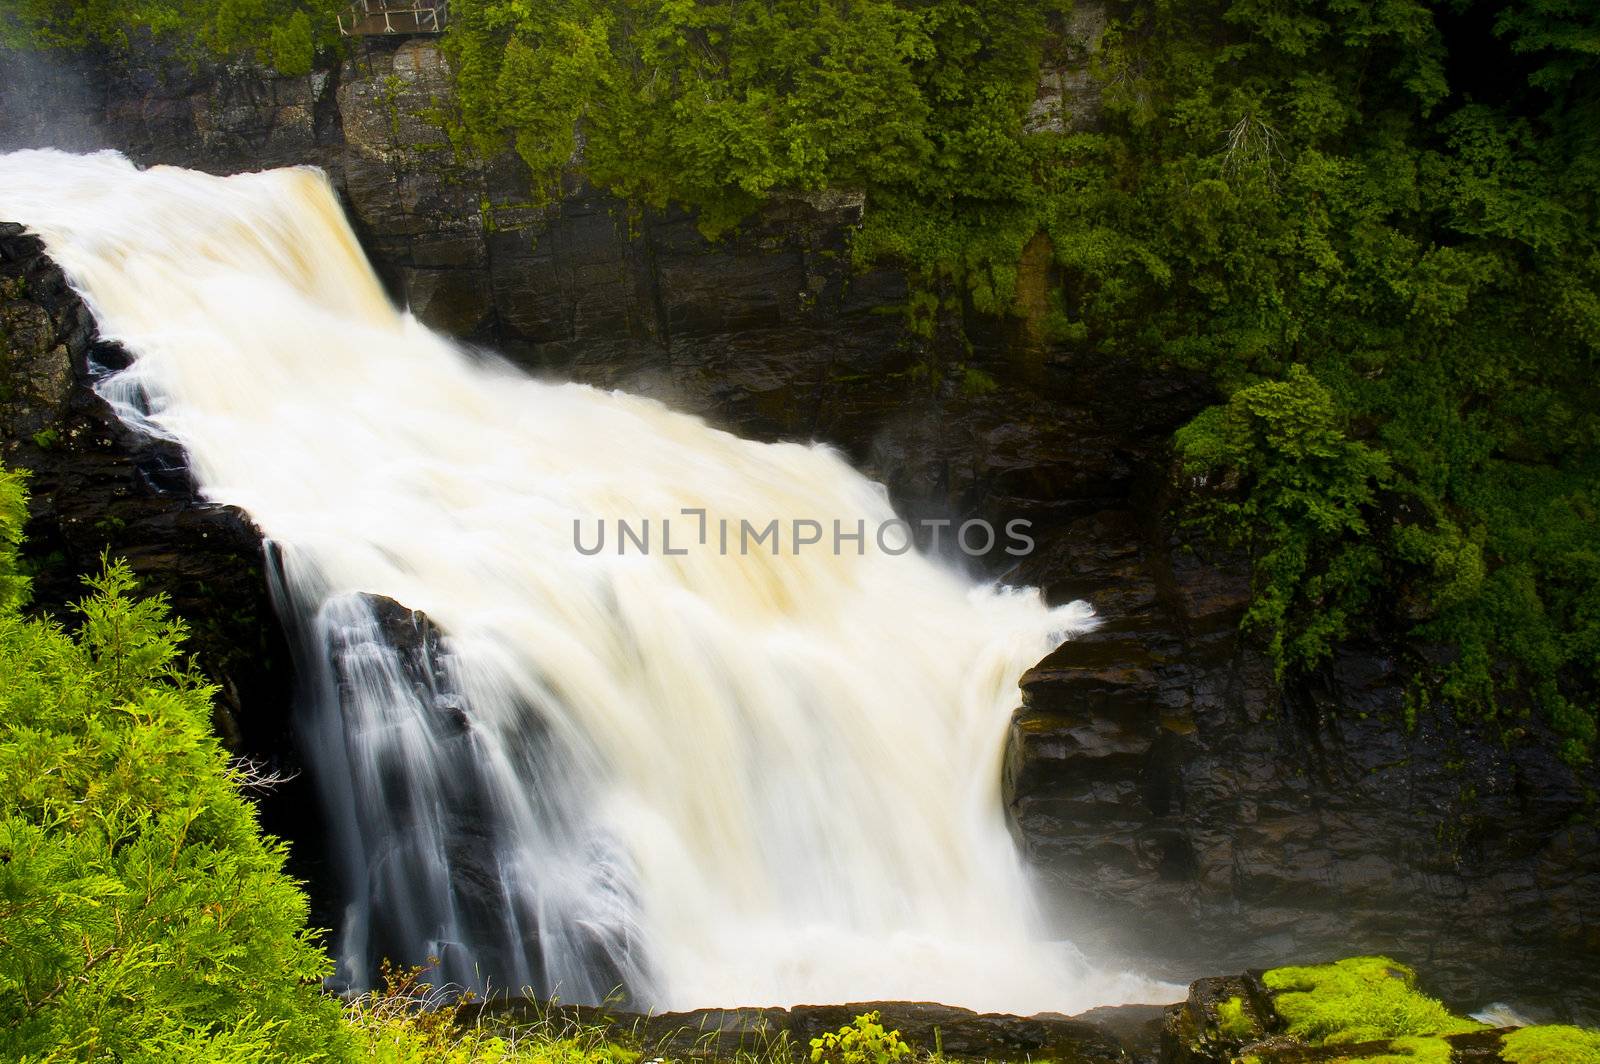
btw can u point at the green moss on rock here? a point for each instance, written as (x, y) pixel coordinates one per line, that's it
(1361, 1010)
(1412, 1051)
(1359, 999)
(1232, 1021)
(1551, 1045)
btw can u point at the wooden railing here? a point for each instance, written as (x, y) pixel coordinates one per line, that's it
(369, 18)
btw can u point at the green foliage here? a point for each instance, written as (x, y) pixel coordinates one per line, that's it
(975, 382)
(1297, 497)
(862, 1042)
(14, 589)
(412, 1022)
(292, 44)
(1560, 34)
(282, 33)
(1358, 999)
(718, 105)
(1396, 200)
(1551, 1045)
(143, 917)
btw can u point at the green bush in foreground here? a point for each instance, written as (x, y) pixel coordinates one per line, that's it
(863, 1041)
(412, 1022)
(143, 916)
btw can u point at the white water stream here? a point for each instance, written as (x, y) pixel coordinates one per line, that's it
(714, 778)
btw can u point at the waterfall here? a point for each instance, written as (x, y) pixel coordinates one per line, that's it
(706, 777)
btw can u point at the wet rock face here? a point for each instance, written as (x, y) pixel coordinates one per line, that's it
(1068, 97)
(383, 795)
(418, 208)
(1191, 813)
(219, 118)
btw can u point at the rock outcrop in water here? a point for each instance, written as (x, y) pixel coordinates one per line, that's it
(958, 1034)
(1181, 801)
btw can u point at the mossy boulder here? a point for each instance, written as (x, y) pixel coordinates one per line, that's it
(1222, 1015)
(1360, 1010)
(1359, 999)
(1555, 1044)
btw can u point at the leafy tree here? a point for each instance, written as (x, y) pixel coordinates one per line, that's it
(1307, 489)
(143, 916)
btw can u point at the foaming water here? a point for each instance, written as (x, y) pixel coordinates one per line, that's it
(711, 779)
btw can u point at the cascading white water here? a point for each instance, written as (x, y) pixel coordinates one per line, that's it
(714, 778)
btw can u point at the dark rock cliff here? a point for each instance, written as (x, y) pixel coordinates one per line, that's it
(1186, 810)
(1156, 769)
